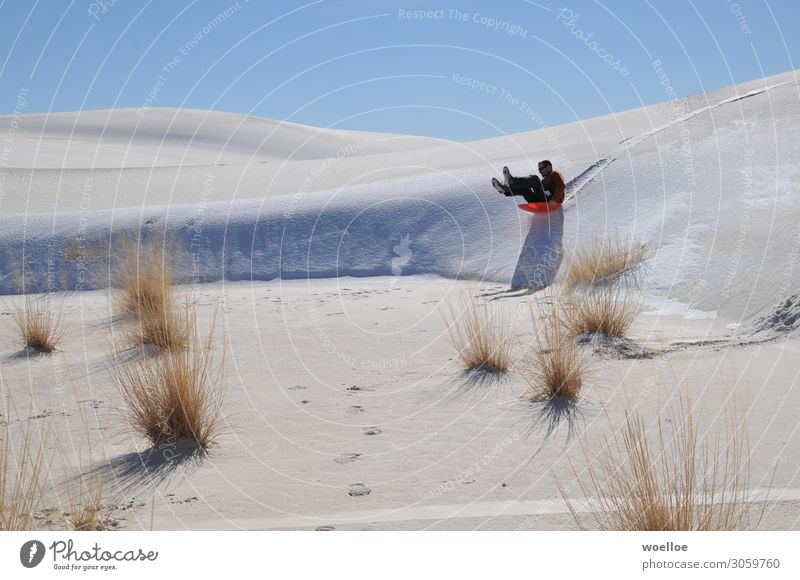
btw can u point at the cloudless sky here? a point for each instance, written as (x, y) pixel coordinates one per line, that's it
(378, 65)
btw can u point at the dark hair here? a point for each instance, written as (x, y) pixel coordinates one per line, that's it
(546, 162)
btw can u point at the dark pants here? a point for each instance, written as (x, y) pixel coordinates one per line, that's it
(528, 187)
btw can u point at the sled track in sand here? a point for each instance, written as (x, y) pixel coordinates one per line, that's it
(586, 176)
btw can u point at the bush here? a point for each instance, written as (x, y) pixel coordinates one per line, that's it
(174, 396)
(165, 330)
(21, 490)
(144, 291)
(39, 322)
(604, 261)
(143, 277)
(86, 510)
(481, 335)
(608, 311)
(558, 368)
(680, 485)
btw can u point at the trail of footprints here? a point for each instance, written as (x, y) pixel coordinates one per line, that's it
(355, 489)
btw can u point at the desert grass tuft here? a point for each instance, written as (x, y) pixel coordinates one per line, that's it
(84, 507)
(175, 396)
(608, 310)
(143, 279)
(480, 334)
(86, 511)
(144, 291)
(558, 368)
(166, 330)
(21, 490)
(39, 322)
(678, 484)
(604, 261)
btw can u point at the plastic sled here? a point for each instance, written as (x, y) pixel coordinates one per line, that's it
(539, 206)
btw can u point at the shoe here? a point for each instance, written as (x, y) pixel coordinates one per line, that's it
(499, 187)
(507, 176)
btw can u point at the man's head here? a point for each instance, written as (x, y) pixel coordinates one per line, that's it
(545, 167)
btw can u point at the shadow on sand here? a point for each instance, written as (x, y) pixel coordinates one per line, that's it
(476, 383)
(539, 258)
(27, 352)
(550, 414)
(133, 472)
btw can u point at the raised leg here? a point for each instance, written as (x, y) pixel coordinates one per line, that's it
(528, 187)
(500, 187)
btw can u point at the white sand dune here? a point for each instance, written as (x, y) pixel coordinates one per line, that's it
(709, 181)
(346, 404)
(174, 156)
(160, 137)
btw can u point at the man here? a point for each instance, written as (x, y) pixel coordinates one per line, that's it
(532, 188)
(553, 181)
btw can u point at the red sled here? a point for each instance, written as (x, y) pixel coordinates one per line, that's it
(539, 206)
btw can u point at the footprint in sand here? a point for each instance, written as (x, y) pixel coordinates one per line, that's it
(356, 388)
(372, 431)
(358, 489)
(348, 458)
(94, 403)
(355, 409)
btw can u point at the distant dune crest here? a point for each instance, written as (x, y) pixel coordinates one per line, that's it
(159, 137)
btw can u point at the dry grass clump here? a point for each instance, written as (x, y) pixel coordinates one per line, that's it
(174, 396)
(558, 368)
(142, 281)
(39, 322)
(143, 278)
(679, 484)
(604, 261)
(21, 490)
(143, 290)
(481, 335)
(165, 330)
(608, 310)
(86, 510)
(84, 507)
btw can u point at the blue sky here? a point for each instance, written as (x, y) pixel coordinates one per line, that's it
(460, 70)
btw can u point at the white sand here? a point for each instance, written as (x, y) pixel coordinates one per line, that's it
(710, 183)
(435, 449)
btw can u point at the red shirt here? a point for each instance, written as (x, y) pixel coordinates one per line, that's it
(554, 183)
